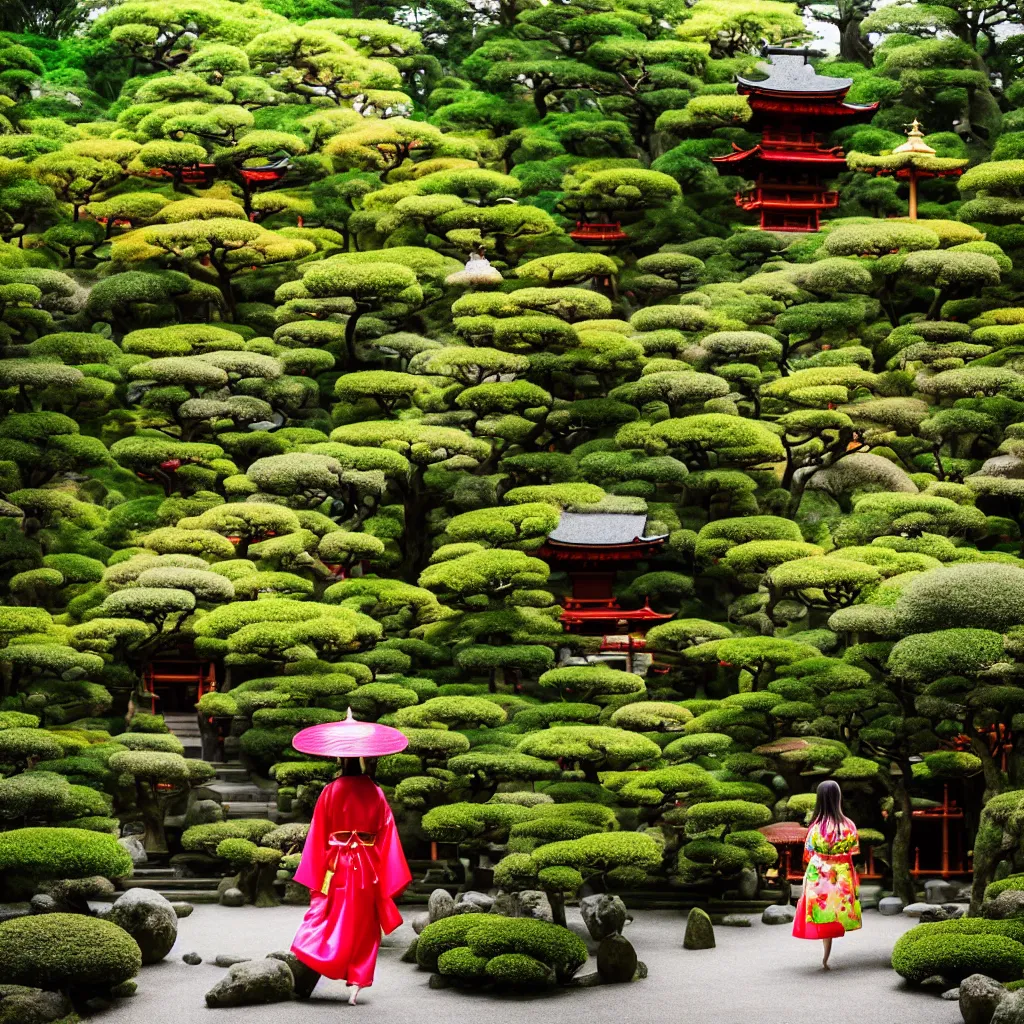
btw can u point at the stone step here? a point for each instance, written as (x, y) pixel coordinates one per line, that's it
(175, 885)
(234, 792)
(249, 809)
(140, 874)
(191, 895)
(225, 774)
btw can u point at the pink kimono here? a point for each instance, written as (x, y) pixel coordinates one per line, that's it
(354, 866)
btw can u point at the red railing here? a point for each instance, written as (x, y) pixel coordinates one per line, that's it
(795, 199)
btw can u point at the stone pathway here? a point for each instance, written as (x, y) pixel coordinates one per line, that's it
(758, 975)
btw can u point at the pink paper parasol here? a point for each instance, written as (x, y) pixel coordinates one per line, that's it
(350, 739)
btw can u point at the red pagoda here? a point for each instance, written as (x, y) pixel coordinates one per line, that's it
(592, 547)
(794, 107)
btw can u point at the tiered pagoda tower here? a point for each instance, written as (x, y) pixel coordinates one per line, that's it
(592, 547)
(795, 108)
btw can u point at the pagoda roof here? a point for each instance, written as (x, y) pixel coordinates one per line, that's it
(782, 156)
(792, 75)
(601, 529)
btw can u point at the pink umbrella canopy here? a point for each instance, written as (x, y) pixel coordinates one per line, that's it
(350, 739)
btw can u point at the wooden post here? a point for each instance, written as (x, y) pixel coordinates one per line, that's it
(913, 194)
(945, 831)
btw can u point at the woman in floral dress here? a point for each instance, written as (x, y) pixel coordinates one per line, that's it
(830, 904)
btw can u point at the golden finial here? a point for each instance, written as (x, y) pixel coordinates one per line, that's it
(915, 140)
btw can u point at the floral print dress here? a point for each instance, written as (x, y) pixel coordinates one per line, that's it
(830, 904)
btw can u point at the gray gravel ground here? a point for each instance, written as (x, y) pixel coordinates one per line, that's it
(758, 975)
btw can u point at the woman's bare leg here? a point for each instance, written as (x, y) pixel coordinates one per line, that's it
(353, 999)
(827, 943)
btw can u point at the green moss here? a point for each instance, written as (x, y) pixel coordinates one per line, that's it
(67, 952)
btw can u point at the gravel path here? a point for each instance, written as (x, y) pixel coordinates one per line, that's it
(757, 975)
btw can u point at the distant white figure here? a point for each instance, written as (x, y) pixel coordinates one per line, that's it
(478, 271)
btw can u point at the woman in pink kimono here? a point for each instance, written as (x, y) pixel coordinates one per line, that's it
(830, 904)
(352, 862)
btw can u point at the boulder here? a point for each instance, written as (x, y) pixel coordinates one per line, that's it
(203, 812)
(305, 978)
(736, 921)
(253, 983)
(915, 909)
(933, 914)
(616, 960)
(409, 956)
(869, 896)
(1010, 1010)
(1009, 903)
(748, 884)
(229, 960)
(778, 914)
(1009, 466)
(192, 959)
(31, 1005)
(890, 906)
(419, 922)
(505, 904)
(951, 995)
(700, 934)
(182, 909)
(604, 915)
(232, 897)
(472, 902)
(441, 904)
(979, 997)
(43, 904)
(149, 919)
(535, 904)
(938, 891)
(136, 850)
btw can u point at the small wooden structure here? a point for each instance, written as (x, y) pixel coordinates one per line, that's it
(912, 162)
(941, 837)
(592, 547)
(200, 175)
(177, 684)
(587, 233)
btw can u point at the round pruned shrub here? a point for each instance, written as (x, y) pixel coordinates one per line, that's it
(465, 946)
(71, 953)
(957, 949)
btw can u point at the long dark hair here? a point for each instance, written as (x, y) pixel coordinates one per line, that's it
(828, 807)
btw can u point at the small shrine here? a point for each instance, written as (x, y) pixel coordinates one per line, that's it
(912, 162)
(592, 547)
(795, 108)
(590, 233)
(176, 683)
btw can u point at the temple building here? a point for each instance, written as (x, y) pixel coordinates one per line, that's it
(795, 108)
(592, 548)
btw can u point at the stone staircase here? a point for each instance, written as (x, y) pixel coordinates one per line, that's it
(185, 726)
(240, 795)
(171, 885)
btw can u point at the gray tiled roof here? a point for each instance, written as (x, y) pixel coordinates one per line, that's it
(791, 74)
(599, 528)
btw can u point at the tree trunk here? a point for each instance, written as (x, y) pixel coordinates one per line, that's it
(902, 883)
(155, 839)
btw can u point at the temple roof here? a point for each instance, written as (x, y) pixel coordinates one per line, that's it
(782, 156)
(600, 528)
(790, 74)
